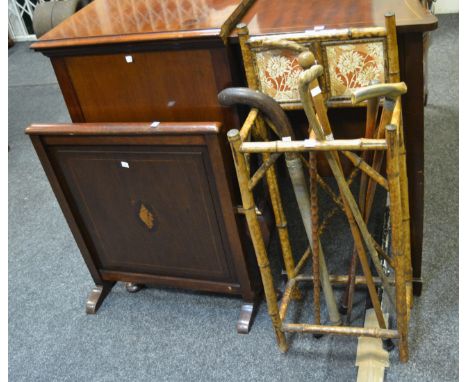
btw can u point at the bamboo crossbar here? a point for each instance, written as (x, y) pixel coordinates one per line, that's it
(343, 279)
(337, 199)
(322, 35)
(361, 164)
(253, 181)
(302, 261)
(334, 279)
(248, 123)
(340, 330)
(382, 254)
(286, 298)
(313, 145)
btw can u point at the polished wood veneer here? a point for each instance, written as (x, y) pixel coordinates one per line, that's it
(110, 22)
(277, 16)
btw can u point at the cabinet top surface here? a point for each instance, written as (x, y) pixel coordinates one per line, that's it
(114, 21)
(123, 21)
(279, 16)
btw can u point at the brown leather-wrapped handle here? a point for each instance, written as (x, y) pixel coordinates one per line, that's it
(389, 91)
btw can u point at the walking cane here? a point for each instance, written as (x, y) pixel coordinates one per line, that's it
(357, 225)
(279, 123)
(372, 94)
(372, 110)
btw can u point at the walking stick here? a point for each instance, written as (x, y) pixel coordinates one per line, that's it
(372, 94)
(357, 225)
(279, 123)
(372, 109)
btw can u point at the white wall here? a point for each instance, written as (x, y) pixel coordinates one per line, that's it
(446, 6)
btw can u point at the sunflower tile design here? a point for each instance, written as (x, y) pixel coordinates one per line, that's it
(353, 66)
(278, 71)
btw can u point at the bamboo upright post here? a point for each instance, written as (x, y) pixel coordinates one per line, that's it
(397, 238)
(406, 219)
(248, 204)
(260, 131)
(281, 223)
(394, 74)
(392, 48)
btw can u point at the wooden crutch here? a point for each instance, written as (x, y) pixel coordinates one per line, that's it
(279, 123)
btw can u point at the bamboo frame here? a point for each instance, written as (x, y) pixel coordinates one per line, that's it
(278, 313)
(387, 140)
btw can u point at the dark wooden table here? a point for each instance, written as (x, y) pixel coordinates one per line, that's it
(135, 61)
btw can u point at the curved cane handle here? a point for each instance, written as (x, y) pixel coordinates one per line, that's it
(309, 75)
(267, 105)
(390, 91)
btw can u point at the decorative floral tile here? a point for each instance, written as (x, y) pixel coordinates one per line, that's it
(278, 71)
(354, 65)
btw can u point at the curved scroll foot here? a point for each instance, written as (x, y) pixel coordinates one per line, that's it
(133, 287)
(246, 317)
(97, 296)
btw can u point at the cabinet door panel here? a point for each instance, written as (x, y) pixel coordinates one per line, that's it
(148, 210)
